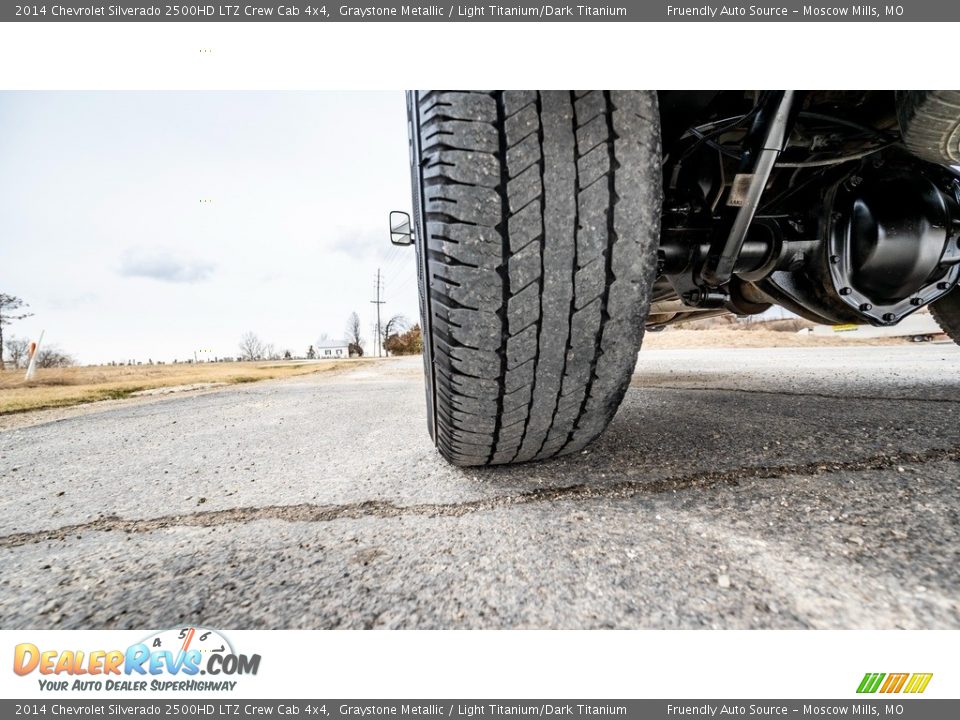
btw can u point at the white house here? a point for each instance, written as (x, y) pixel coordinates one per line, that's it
(331, 352)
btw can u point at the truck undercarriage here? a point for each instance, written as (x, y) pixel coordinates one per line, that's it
(811, 201)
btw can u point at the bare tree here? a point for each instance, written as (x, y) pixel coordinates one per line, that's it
(251, 347)
(53, 357)
(353, 337)
(17, 350)
(9, 305)
(395, 325)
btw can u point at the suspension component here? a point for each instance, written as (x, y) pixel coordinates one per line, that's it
(719, 268)
(852, 228)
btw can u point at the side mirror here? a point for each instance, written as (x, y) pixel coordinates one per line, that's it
(400, 230)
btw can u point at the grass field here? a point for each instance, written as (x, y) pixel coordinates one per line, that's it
(60, 387)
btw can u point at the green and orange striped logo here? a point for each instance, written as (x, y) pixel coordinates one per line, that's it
(894, 682)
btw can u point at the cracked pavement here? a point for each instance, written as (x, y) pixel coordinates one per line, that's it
(776, 488)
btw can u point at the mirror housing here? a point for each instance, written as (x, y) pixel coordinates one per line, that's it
(401, 232)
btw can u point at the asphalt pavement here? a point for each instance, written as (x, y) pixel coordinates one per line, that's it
(779, 488)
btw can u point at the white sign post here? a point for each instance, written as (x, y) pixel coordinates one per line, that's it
(32, 365)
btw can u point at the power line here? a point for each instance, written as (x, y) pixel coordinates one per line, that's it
(391, 254)
(411, 276)
(394, 255)
(394, 271)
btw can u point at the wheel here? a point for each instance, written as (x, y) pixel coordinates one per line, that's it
(946, 311)
(538, 220)
(929, 124)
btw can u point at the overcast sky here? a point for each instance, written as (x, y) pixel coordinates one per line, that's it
(151, 225)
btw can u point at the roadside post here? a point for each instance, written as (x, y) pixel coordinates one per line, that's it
(32, 365)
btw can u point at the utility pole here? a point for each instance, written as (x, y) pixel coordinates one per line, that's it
(378, 302)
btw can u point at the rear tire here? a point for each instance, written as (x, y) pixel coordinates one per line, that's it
(538, 226)
(946, 311)
(930, 124)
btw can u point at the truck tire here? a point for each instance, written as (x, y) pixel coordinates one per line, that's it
(946, 311)
(930, 124)
(538, 217)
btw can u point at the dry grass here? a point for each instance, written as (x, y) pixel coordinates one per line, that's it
(60, 387)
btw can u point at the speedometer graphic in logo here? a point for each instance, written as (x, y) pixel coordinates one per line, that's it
(183, 639)
(190, 650)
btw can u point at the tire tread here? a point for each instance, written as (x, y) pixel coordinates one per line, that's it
(541, 221)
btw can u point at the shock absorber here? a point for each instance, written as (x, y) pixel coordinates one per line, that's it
(720, 265)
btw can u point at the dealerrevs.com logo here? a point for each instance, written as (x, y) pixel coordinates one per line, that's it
(169, 660)
(894, 682)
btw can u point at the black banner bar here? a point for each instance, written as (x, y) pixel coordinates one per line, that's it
(505, 11)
